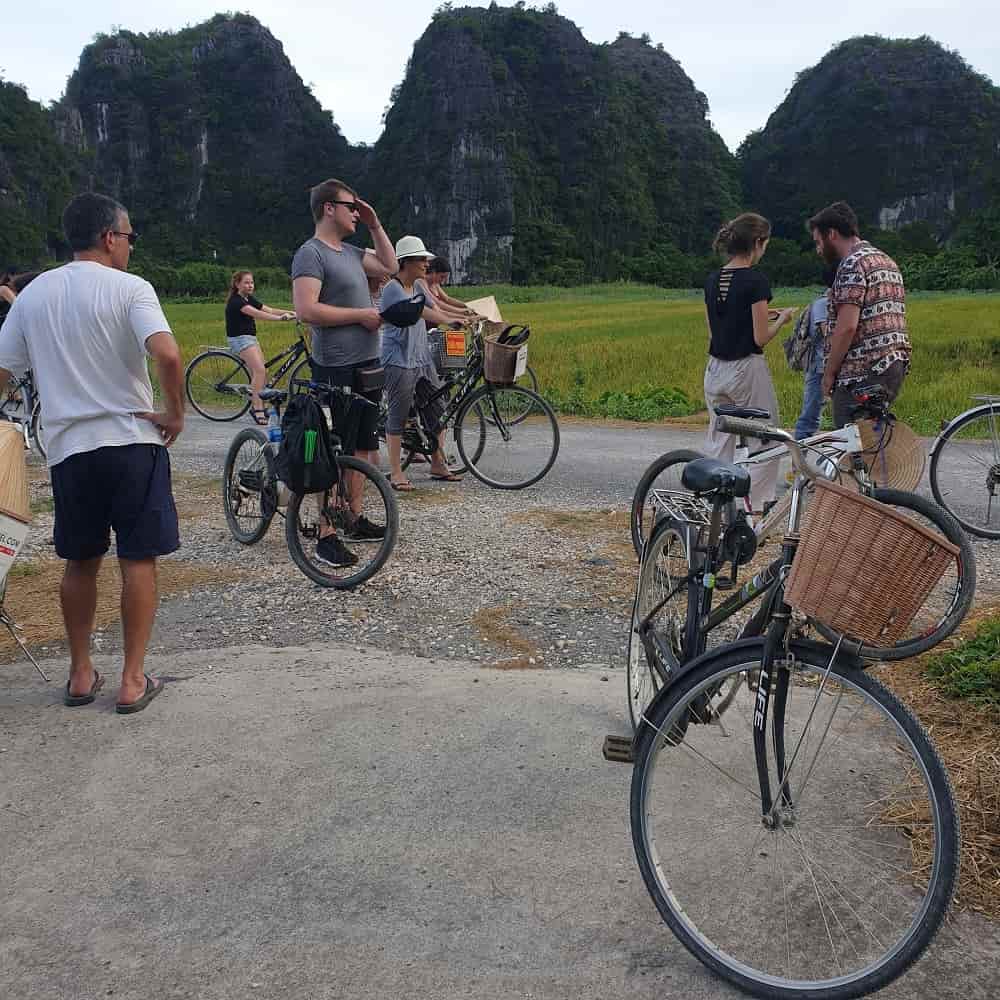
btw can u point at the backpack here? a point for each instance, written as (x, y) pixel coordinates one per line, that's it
(306, 461)
(800, 345)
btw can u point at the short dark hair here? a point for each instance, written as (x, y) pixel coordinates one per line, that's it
(88, 216)
(439, 266)
(328, 191)
(839, 216)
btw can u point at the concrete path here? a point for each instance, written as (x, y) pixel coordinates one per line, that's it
(326, 822)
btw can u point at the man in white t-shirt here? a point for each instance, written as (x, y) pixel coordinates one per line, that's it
(85, 329)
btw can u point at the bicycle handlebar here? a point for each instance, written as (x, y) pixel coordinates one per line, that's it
(324, 387)
(765, 432)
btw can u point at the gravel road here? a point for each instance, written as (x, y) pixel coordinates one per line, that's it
(539, 577)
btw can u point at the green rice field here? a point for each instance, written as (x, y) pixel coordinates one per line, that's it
(597, 340)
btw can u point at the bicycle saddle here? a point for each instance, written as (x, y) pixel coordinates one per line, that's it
(709, 475)
(747, 412)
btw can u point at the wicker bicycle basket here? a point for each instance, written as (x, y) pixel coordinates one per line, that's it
(499, 363)
(862, 568)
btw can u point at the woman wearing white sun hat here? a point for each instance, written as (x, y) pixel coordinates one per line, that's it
(409, 368)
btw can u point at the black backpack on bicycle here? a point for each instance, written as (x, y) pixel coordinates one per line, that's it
(306, 461)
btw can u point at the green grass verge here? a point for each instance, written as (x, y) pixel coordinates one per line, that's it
(638, 352)
(972, 669)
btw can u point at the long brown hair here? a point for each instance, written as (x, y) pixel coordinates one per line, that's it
(740, 235)
(238, 276)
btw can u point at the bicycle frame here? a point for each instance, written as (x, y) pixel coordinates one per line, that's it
(26, 386)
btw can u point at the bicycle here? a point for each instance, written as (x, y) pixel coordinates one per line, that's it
(253, 494)
(483, 418)
(967, 451)
(215, 381)
(779, 793)
(835, 454)
(21, 406)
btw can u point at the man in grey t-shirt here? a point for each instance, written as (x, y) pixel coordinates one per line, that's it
(330, 292)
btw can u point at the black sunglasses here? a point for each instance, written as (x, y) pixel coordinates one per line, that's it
(131, 237)
(352, 206)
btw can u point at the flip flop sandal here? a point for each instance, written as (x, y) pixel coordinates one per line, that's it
(402, 487)
(452, 477)
(76, 700)
(259, 417)
(152, 690)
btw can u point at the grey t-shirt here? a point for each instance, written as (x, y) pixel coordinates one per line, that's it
(345, 285)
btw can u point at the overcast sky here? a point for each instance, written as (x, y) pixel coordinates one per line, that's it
(744, 56)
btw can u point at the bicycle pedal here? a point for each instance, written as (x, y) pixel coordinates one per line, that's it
(618, 748)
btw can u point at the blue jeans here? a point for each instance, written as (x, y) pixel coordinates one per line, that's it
(812, 399)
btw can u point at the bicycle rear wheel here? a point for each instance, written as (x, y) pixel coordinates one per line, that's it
(249, 486)
(35, 429)
(361, 492)
(848, 882)
(215, 384)
(664, 567)
(664, 473)
(965, 470)
(949, 601)
(512, 456)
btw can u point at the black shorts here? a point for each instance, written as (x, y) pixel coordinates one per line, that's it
(126, 488)
(362, 421)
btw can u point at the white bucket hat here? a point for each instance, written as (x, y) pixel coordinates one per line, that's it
(412, 246)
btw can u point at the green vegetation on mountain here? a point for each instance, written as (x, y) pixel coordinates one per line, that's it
(35, 179)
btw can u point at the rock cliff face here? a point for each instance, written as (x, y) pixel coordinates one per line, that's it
(903, 129)
(208, 136)
(518, 148)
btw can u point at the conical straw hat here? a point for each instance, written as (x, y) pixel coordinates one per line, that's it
(13, 473)
(893, 455)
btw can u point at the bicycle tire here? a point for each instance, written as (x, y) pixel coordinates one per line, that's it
(947, 604)
(301, 535)
(859, 833)
(492, 443)
(35, 430)
(664, 564)
(302, 372)
(208, 370)
(982, 460)
(248, 526)
(665, 470)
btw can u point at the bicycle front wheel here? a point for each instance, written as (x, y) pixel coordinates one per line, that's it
(947, 604)
(362, 513)
(249, 486)
(664, 473)
(216, 383)
(513, 455)
(965, 471)
(848, 880)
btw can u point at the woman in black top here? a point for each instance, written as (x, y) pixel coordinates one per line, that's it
(242, 311)
(739, 324)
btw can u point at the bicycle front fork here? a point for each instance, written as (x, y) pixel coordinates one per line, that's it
(774, 673)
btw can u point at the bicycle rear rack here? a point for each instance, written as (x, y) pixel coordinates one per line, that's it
(683, 507)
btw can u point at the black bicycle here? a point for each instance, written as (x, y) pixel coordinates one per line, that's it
(507, 436)
(780, 795)
(338, 539)
(216, 381)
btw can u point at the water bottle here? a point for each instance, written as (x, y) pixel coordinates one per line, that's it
(274, 428)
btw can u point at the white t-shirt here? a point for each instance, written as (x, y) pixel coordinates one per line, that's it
(82, 329)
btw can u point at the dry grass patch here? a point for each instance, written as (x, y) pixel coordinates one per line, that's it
(968, 739)
(495, 626)
(32, 598)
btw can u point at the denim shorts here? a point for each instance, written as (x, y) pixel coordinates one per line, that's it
(238, 344)
(126, 488)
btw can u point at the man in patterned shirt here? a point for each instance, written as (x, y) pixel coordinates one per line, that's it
(868, 342)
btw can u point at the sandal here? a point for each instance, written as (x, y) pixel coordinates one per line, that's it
(448, 477)
(259, 417)
(404, 487)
